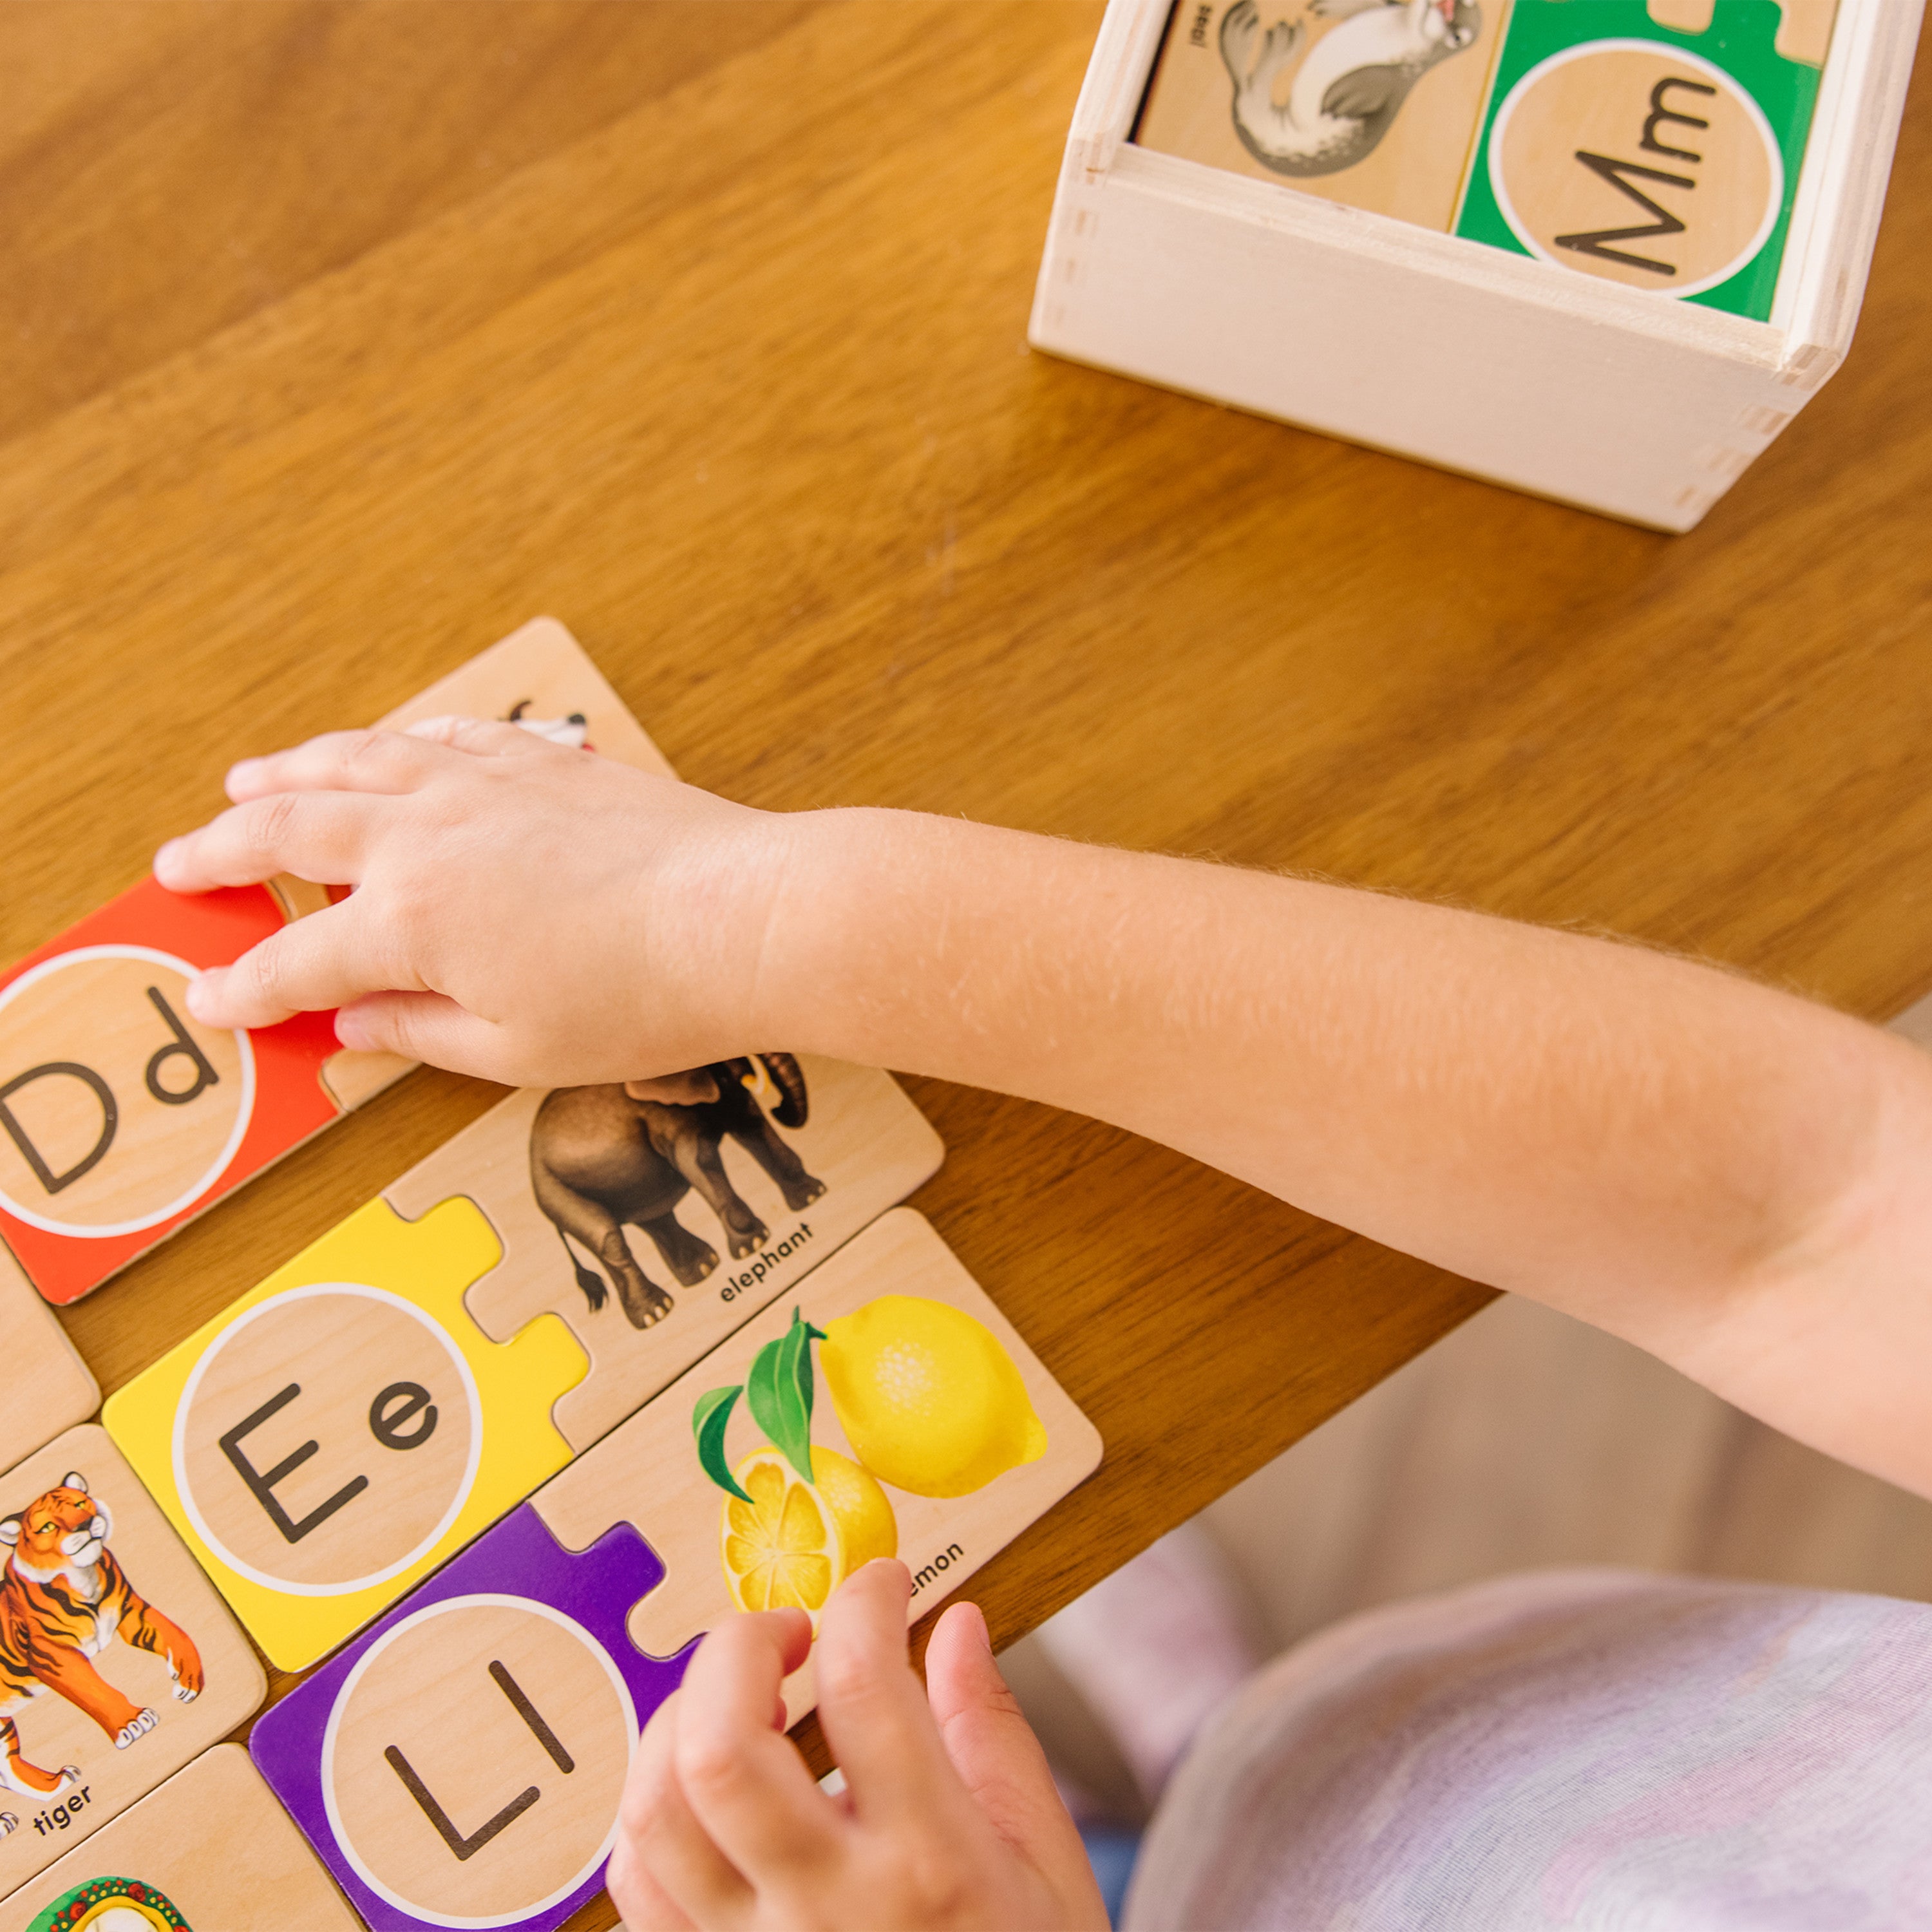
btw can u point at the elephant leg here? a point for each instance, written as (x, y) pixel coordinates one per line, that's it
(686, 1255)
(696, 1159)
(800, 1189)
(596, 1227)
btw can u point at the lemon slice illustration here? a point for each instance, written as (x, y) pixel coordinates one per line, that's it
(794, 1542)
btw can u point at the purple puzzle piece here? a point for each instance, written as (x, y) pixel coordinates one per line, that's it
(518, 1559)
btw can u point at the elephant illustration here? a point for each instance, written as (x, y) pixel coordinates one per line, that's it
(603, 1156)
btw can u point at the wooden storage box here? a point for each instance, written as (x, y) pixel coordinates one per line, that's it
(1252, 292)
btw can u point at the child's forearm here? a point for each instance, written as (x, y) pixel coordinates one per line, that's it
(1671, 1152)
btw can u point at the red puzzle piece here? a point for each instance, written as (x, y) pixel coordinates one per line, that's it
(121, 1118)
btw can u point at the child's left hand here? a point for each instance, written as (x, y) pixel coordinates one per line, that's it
(949, 1818)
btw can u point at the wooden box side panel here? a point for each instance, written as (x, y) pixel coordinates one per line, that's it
(1295, 318)
(1847, 168)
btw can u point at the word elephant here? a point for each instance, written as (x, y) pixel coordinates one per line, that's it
(603, 1157)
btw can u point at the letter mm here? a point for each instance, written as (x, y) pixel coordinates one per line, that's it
(1617, 173)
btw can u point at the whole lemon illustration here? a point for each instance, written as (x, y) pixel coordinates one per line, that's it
(931, 1402)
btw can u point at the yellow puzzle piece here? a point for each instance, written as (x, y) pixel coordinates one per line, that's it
(345, 1427)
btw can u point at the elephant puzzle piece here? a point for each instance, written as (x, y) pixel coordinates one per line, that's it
(461, 1763)
(121, 1116)
(119, 1664)
(211, 1850)
(47, 1387)
(346, 1427)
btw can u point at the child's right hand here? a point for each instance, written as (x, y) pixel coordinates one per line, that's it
(527, 913)
(950, 1821)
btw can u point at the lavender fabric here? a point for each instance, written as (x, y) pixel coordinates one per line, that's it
(1596, 1750)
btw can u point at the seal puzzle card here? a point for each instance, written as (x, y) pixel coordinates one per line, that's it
(121, 1663)
(461, 1763)
(1657, 145)
(210, 1851)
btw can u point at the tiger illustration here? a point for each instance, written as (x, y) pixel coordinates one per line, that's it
(63, 1598)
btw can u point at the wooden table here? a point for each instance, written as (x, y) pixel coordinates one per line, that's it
(340, 338)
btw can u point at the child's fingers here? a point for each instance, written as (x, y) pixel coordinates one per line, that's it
(671, 1850)
(377, 761)
(310, 966)
(997, 1757)
(747, 1786)
(482, 737)
(875, 1715)
(433, 1027)
(320, 836)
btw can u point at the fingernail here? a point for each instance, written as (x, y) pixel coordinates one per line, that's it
(350, 1030)
(242, 768)
(164, 859)
(204, 992)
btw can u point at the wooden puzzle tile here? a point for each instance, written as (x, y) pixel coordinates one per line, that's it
(47, 1387)
(210, 1851)
(459, 1763)
(656, 1217)
(346, 1427)
(119, 1663)
(121, 1117)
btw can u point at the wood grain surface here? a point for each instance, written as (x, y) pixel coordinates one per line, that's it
(342, 338)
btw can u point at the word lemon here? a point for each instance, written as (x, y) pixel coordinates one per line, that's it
(930, 1400)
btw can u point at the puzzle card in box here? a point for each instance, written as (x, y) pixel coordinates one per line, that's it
(1658, 146)
(210, 1851)
(119, 1663)
(374, 1404)
(461, 1763)
(121, 1116)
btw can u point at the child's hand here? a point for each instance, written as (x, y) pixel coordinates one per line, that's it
(533, 914)
(949, 1818)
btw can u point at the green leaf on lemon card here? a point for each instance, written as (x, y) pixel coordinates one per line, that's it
(779, 1392)
(711, 1412)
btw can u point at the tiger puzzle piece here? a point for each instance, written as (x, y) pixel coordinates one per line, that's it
(210, 1851)
(47, 1386)
(461, 1763)
(119, 1663)
(121, 1116)
(345, 1427)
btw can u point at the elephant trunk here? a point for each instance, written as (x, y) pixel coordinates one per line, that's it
(789, 1078)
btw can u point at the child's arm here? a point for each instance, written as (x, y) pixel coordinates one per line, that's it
(1736, 1179)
